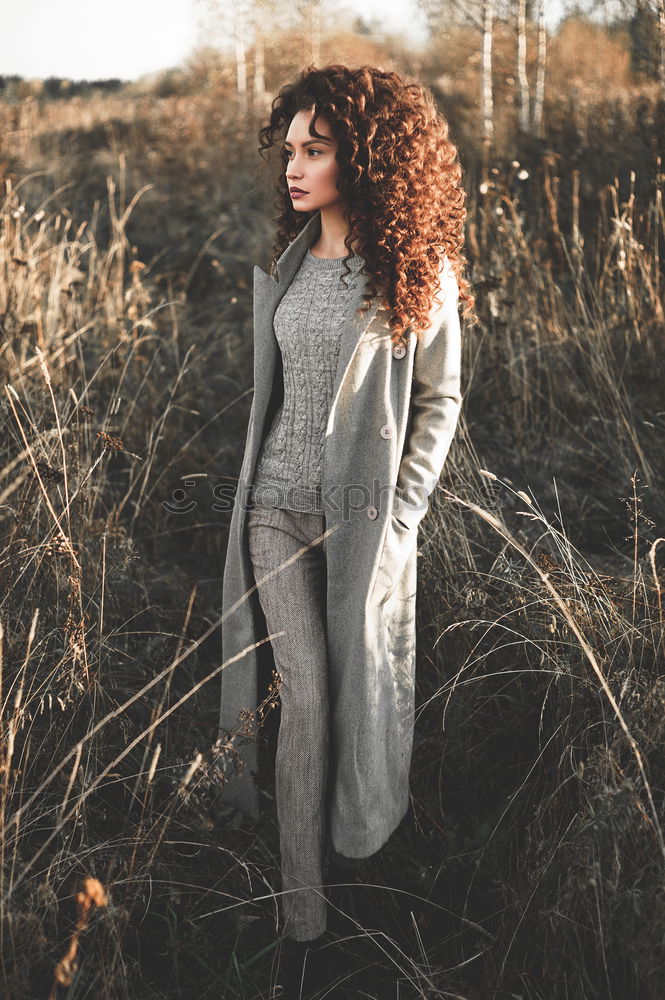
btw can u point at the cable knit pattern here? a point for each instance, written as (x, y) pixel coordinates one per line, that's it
(308, 323)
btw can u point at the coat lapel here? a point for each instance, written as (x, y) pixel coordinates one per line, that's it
(267, 294)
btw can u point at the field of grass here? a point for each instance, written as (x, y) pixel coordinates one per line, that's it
(532, 862)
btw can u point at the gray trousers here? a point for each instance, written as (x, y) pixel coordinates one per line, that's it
(293, 601)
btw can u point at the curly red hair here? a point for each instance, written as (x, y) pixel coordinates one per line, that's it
(400, 175)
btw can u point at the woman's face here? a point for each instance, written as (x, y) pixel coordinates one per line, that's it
(312, 165)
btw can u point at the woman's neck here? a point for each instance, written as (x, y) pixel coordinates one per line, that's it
(334, 230)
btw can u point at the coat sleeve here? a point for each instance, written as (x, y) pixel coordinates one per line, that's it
(436, 401)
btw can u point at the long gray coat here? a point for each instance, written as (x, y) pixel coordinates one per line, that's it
(392, 419)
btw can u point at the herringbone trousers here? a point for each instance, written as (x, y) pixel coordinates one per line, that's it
(293, 601)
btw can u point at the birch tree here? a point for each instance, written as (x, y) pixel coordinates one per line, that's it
(311, 18)
(228, 26)
(522, 78)
(661, 46)
(487, 103)
(244, 28)
(480, 14)
(239, 25)
(539, 99)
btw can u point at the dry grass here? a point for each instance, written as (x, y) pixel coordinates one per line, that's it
(532, 862)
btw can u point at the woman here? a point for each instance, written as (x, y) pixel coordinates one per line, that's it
(356, 400)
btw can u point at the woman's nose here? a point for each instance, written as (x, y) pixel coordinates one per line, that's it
(294, 169)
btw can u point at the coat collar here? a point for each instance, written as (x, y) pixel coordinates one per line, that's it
(291, 258)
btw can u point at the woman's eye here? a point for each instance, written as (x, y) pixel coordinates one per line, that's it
(289, 151)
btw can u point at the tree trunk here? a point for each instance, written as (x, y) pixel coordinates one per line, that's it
(487, 98)
(522, 78)
(240, 55)
(537, 119)
(487, 107)
(661, 46)
(315, 31)
(259, 67)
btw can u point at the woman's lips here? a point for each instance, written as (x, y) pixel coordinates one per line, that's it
(295, 193)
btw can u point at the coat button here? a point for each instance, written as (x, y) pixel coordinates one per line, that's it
(399, 350)
(372, 512)
(386, 431)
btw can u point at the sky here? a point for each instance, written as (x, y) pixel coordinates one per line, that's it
(93, 39)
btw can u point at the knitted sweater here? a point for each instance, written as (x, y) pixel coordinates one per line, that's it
(307, 323)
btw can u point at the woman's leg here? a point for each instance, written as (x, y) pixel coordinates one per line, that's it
(294, 603)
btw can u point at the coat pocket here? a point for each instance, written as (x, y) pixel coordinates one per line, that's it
(402, 524)
(399, 544)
